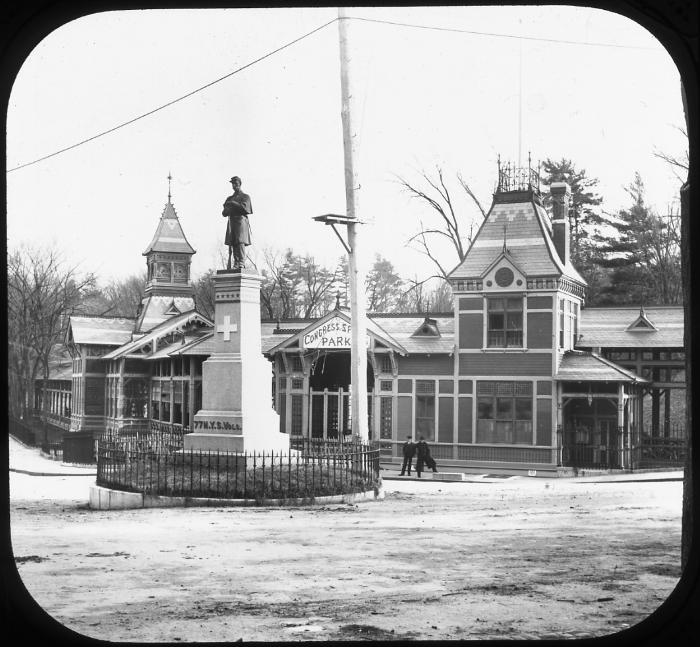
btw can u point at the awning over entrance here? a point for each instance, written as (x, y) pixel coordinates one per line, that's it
(580, 366)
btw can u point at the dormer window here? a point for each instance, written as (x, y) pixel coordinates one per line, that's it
(428, 328)
(505, 322)
(641, 323)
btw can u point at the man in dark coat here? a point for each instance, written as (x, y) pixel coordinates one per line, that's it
(409, 449)
(237, 208)
(423, 457)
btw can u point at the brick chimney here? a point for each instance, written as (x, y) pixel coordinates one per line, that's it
(561, 196)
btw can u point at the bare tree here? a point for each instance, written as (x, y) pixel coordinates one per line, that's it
(204, 293)
(119, 298)
(295, 286)
(428, 295)
(42, 293)
(451, 225)
(318, 282)
(680, 164)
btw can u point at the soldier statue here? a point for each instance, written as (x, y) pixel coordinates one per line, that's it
(237, 207)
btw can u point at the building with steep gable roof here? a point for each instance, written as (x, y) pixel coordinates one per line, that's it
(519, 378)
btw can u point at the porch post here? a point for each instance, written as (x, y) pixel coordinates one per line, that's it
(623, 439)
(559, 419)
(305, 427)
(190, 397)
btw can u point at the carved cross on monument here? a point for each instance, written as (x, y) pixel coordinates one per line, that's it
(227, 328)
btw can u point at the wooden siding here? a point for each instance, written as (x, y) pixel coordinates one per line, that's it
(539, 330)
(423, 365)
(518, 455)
(544, 387)
(94, 396)
(539, 303)
(464, 420)
(471, 330)
(471, 303)
(445, 420)
(505, 364)
(544, 422)
(465, 386)
(404, 417)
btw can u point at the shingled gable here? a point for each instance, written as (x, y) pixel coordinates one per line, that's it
(526, 239)
(99, 331)
(169, 236)
(146, 344)
(374, 331)
(168, 258)
(581, 366)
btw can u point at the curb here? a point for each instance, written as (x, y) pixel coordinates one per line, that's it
(102, 498)
(30, 473)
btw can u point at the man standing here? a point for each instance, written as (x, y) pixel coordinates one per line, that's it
(423, 457)
(237, 207)
(409, 449)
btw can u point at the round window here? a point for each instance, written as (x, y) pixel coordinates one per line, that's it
(504, 277)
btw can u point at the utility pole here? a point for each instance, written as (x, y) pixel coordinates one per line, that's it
(358, 315)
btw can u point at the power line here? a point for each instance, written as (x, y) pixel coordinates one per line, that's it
(174, 101)
(514, 36)
(300, 38)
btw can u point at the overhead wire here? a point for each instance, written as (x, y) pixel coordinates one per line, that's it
(293, 42)
(497, 35)
(174, 101)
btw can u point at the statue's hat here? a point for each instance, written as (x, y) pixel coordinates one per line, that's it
(235, 177)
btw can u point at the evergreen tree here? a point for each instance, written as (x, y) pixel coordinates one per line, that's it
(584, 221)
(584, 216)
(383, 286)
(644, 256)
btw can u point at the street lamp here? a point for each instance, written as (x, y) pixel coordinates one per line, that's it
(358, 319)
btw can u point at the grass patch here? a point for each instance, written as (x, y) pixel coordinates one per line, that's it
(234, 477)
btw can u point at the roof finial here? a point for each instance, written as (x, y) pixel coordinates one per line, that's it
(337, 300)
(505, 236)
(169, 179)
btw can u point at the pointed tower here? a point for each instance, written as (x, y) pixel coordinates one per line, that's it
(517, 304)
(168, 289)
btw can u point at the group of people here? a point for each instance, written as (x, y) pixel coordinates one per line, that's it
(422, 453)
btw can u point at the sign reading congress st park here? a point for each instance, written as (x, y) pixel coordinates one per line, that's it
(334, 333)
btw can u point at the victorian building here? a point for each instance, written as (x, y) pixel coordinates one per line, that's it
(519, 377)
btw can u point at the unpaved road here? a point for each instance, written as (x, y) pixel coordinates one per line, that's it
(519, 558)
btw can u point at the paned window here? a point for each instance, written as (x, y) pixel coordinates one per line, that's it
(135, 398)
(504, 413)
(505, 323)
(297, 408)
(385, 416)
(425, 409)
(385, 365)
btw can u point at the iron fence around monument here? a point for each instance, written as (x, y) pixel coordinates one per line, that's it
(296, 474)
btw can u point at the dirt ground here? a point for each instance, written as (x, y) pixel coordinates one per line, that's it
(514, 558)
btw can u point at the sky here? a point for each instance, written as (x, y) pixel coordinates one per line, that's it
(447, 87)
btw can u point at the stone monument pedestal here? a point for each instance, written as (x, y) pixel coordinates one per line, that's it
(237, 413)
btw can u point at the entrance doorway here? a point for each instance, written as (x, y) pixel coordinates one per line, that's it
(329, 396)
(591, 436)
